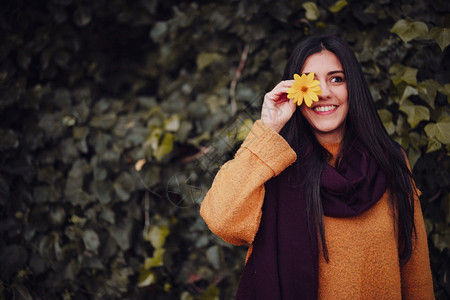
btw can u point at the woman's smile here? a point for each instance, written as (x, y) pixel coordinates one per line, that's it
(325, 110)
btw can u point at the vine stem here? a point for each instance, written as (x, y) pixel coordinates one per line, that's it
(236, 77)
(146, 213)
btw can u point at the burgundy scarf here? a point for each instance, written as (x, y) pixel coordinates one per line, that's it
(284, 261)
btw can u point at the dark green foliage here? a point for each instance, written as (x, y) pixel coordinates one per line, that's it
(115, 115)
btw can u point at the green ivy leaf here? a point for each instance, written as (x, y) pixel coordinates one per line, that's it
(441, 239)
(154, 138)
(433, 145)
(158, 31)
(156, 260)
(146, 278)
(386, 118)
(417, 140)
(205, 59)
(279, 11)
(428, 90)
(413, 156)
(8, 140)
(165, 147)
(124, 186)
(172, 123)
(156, 235)
(215, 102)
(244, 130)
(102, 191)
(212, 293)
(213, 256)
(408, 92)
(441, 35)
(401, 73)
(108, 215)
(439, 130)
(186, 296)
(337, 6)
(312, 11)
(402, 141)
(19, 292)
(68, 121)
(105, 121)
(408, 31)
(445, 89)
(91, 240)
(428, 225)
(121, 233)
(415, 113)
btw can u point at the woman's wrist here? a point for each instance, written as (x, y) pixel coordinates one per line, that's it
(275, 127)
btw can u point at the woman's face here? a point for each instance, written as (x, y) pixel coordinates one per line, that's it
(327, 116)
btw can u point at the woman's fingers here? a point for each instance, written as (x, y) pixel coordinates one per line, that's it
(282, 98)
(279, 90)
(277, 108)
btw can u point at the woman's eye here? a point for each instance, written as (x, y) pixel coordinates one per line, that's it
(337, 79)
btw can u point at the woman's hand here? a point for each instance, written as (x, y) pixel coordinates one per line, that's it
(277, 109)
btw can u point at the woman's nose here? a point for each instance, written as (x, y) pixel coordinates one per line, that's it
(325, 90)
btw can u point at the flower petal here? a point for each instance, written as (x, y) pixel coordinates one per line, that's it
(291, 90)
(308, 101)
(301, 81)
(310, 97)
(316, 90)
(313, 97)
(299, 100)
(310, 77)
(315, 82)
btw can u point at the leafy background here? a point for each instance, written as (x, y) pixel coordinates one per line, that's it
(115, 115)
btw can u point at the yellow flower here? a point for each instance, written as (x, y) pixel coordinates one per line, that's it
(304, 88)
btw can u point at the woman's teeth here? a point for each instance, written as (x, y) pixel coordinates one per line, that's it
(324, 108)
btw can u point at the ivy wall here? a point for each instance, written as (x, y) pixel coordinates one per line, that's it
(115, 115)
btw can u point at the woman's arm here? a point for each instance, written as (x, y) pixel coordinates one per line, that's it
(417, 282)
(232, 207)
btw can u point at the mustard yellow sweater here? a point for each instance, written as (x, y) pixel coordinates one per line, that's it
(363, 250)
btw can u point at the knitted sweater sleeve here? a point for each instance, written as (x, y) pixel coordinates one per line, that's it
(232, 206)
(417, 282)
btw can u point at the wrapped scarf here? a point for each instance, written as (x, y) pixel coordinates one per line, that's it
(284, 260)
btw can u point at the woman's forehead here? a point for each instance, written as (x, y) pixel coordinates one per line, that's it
(324, 61)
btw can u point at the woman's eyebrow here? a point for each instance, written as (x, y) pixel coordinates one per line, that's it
(329, 73)
(337, 71)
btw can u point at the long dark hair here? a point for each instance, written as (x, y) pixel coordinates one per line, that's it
(363, 124)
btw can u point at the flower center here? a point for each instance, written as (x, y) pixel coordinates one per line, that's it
(304, 89)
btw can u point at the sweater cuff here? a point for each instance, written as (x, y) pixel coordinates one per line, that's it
(270, 147)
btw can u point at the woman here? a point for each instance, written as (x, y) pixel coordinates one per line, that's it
(322, 195)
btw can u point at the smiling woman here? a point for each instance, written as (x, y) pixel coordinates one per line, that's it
(323, 196)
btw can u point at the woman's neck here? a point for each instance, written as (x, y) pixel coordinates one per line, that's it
(332, 137)
(333, 148)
